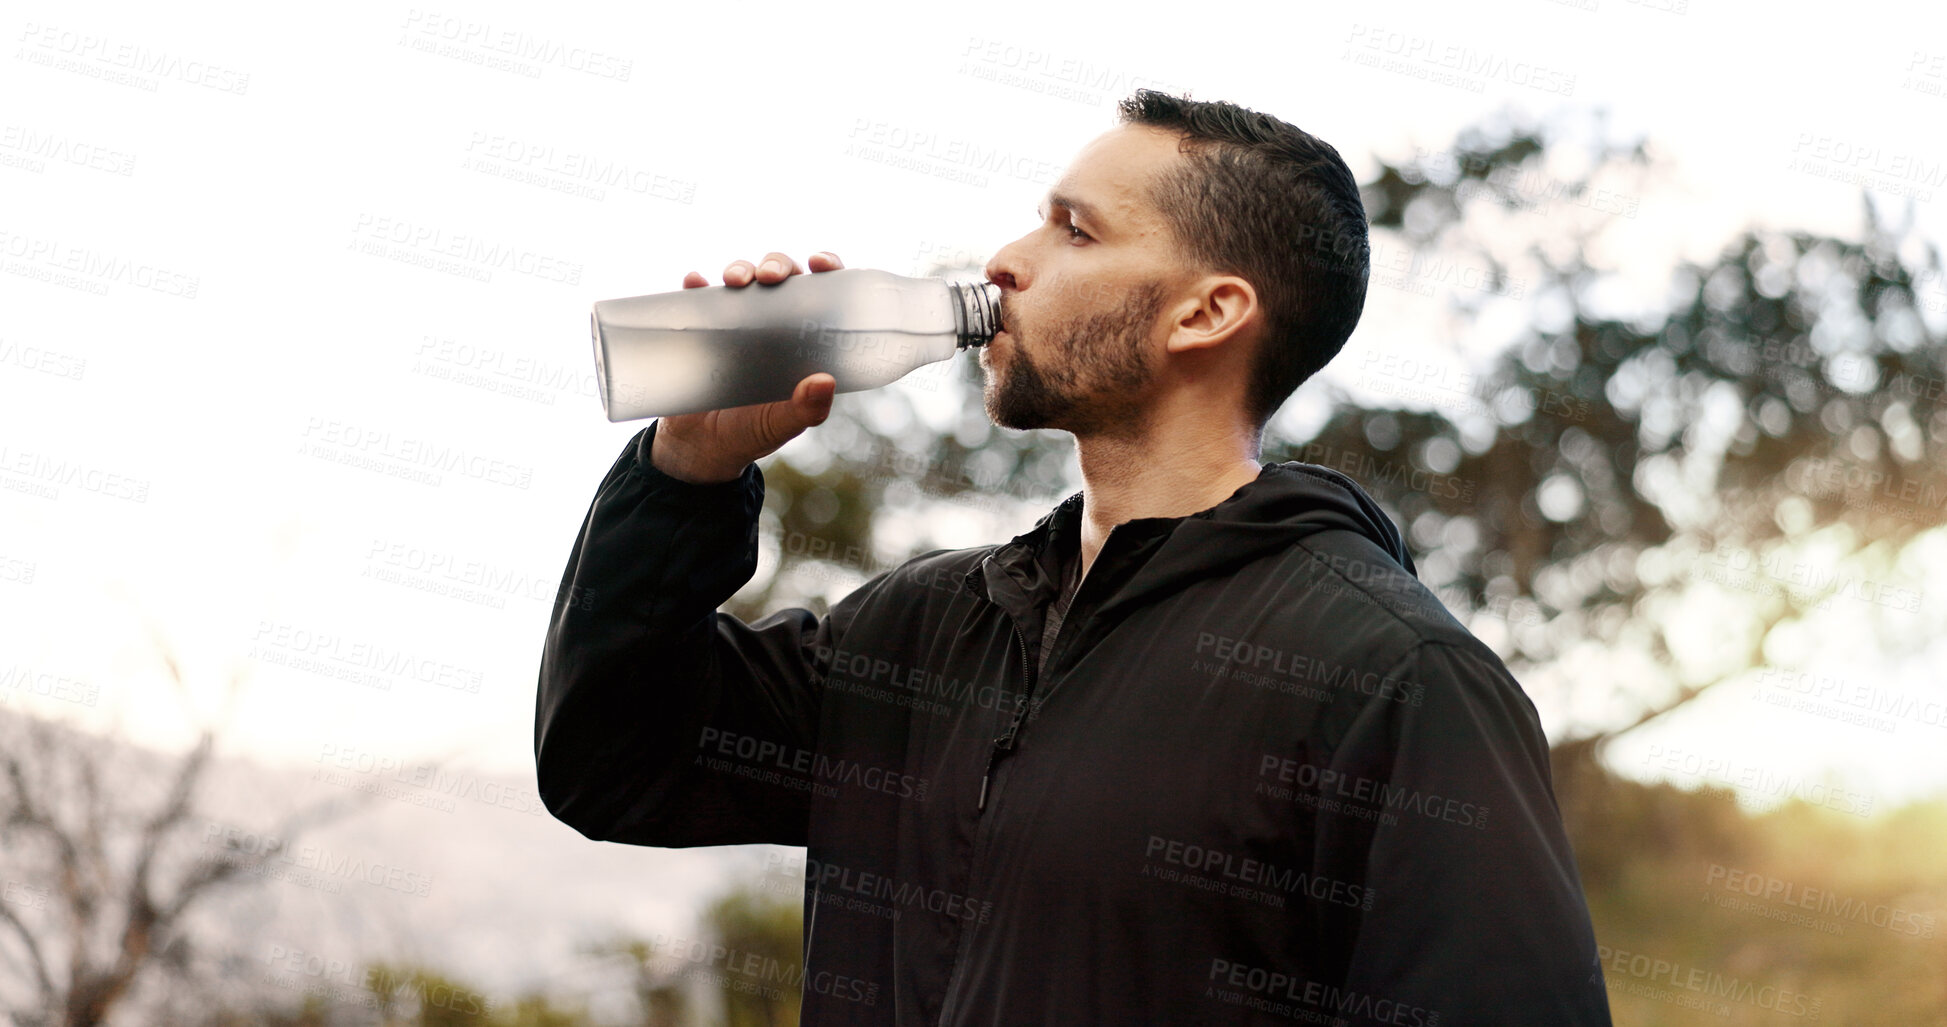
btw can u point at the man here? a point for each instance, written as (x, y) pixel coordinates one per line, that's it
(1197, 748)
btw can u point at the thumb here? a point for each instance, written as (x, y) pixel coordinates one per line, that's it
(812, 401)
(778, 423)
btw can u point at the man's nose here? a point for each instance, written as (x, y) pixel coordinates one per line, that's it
(1003, 267)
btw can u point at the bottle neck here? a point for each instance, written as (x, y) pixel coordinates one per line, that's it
(976, 312)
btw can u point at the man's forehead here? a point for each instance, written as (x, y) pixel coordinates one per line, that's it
(1111, 175)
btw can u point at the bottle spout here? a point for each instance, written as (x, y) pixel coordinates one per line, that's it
(978, 313)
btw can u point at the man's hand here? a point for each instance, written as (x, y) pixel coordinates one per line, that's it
(716, 445)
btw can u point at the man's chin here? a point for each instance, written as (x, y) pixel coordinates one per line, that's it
(1008, 412)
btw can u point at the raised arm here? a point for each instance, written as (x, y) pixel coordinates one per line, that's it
(652, 707)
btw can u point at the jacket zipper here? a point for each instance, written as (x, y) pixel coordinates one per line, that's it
(1006, 741)
(1002, 744)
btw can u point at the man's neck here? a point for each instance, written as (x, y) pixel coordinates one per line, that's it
(1168, 471)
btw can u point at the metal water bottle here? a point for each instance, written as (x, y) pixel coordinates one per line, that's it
(707, 349)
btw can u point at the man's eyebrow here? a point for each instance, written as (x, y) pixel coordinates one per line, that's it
(1087, 210)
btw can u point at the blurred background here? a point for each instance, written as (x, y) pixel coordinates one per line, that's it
(298, 422)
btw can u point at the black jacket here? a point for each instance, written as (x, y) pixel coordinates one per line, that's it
(1264, 777)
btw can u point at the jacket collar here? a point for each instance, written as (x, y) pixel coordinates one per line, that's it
(1159, 555)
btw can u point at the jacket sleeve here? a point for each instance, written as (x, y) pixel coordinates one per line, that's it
(659, 721)
(1477, 912)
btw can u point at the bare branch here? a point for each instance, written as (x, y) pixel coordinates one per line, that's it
(212, 872)
(35, 960)
(174, 810)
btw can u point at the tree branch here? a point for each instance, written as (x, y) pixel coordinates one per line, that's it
(36, 961)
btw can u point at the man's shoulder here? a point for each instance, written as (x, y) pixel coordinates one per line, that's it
(1357, 581)
(934, 572)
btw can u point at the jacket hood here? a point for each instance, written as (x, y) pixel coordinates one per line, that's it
(1285, 503)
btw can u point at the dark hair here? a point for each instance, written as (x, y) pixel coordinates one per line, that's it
(1266, 201)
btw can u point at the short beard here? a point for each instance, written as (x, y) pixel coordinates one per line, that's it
(1090, 387)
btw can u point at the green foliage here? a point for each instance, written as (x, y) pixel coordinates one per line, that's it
(1848, 914)
(1606, 440)
(1739, 413)
(539, 1011)
(1795, 337)
(764, 934)
(424, 997)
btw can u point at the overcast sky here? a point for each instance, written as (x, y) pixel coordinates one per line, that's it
(261, 264)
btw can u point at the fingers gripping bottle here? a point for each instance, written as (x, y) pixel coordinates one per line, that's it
(706, 349)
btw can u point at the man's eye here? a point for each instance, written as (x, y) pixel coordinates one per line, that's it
(1074, 232)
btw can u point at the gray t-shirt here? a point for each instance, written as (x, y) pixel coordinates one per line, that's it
(1071, 573)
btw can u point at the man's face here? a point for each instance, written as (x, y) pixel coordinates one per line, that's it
(1081, 294)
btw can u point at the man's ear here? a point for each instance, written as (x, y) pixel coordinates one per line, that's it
(1222, 308)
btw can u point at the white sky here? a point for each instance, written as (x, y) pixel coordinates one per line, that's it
(738, 119)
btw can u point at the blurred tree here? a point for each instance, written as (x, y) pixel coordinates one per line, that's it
(1746, 450)
(1601, 434)
(660, 998)
(749, 948)
(103, 866)
(763, 935)
(1617, 454)
(1785, 401)
(539, 1011)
